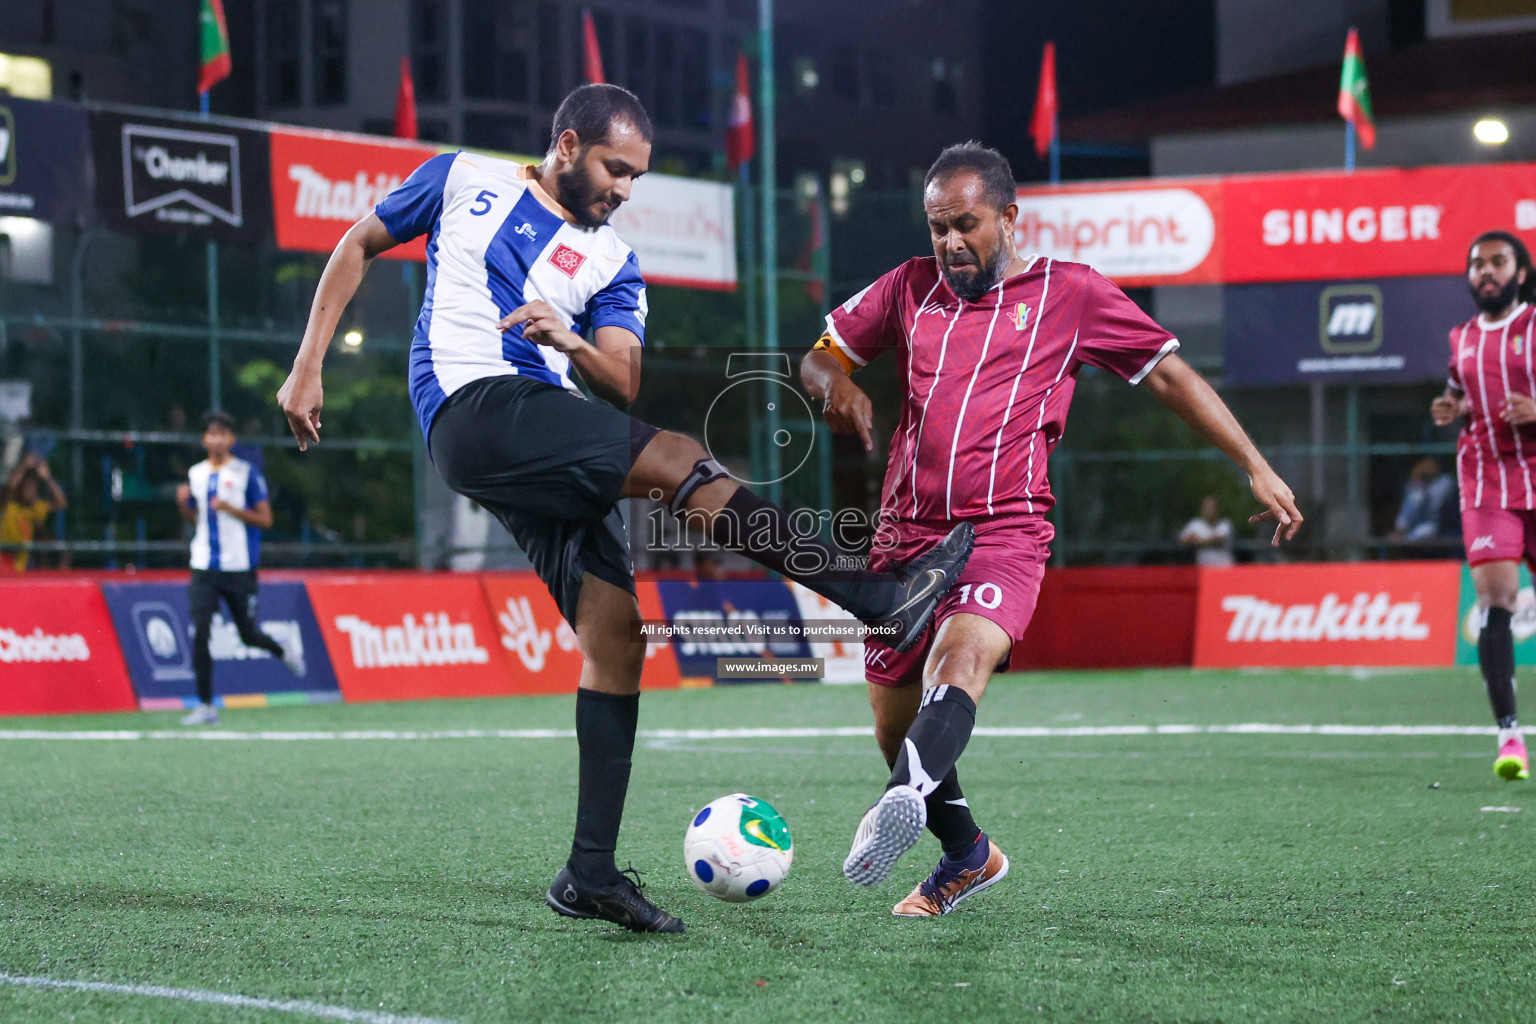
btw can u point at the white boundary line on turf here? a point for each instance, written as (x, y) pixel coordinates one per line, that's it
(194, 995)
(1029, 731)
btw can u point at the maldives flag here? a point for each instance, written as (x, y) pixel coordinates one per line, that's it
(405, 103)
(1355, 93)
(215, 46)
(740, 143)
(591, 56)
(1042, 127)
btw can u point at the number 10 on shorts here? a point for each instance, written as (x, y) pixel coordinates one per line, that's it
(988, 595)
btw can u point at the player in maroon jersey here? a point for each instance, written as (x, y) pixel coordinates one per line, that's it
(989, 343)
(1491, 384)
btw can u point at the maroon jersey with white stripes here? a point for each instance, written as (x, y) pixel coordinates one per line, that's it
(988, 383)
(1489, 362)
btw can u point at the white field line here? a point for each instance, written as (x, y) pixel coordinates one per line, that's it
(194, 995)
(1029, 731)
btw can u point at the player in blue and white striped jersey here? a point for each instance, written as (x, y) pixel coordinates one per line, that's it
(521, 264)
(226, 497)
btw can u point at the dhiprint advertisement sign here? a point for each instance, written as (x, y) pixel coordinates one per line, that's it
(1154, 232)
(1375, 331)
(205, 177)
(1305, 226)
(58, 651)
(1317, 615)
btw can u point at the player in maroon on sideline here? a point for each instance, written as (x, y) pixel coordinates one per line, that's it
(1491, 384)
(989, 343)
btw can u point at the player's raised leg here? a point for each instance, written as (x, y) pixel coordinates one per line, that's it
(965, 651)
(607, 710)
(1497, 584)
(677, 470)
(971, 861)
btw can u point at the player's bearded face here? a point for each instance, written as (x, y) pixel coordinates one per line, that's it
(971, 274)
(588, 202)
(970, 237)
(600, 176)
(1493, 276)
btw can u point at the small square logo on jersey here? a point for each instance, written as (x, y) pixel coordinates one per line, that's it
(1020, 316)
(1519, 344)
(567, 260)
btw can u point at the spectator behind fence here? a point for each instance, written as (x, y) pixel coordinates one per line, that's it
(26, 509)
(1210, 535)
(1429, 500)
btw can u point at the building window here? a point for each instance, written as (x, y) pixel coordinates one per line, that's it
(282, 65)
(843, 73)
(693, 86)
(879, 79)
(666, 109)
(429, 49)
(551, 68)
(805, 76)
(944, 91)
(495, 50)
(330, 51)
(640, 76)
(501, 132)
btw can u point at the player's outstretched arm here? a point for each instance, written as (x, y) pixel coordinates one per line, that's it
(844, 404)
(301, 396)
(1180, 388)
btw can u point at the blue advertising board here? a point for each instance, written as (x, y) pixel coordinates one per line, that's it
(1387, 330)
(728, 602)
(154, 630)
(45, 169)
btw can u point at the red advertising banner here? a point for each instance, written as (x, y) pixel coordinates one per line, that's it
(1386, 613)
(323, 183)
(1111, 606)
(539, 646)
(1389, 223)
(58, 651)
(1152, 231)
(1304, 226)
(410, 637)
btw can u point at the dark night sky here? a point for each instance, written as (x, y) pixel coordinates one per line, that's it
(1108, 53)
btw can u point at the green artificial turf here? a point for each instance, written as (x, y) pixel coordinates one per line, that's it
(1196, 877)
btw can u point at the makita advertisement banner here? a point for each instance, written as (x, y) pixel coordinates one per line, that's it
(1311, 226)
(729, 602)
(1393, 613)
(410, 637)
(1377, 331)
(154, 629)
(324, 182)
(203, 177)
(58, 651)
(45, 168)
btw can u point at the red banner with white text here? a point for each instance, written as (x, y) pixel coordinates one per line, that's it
(1303, 226)
(58, 651)
(1392, 613)
(322, 184)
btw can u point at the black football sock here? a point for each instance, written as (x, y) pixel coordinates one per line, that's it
(1496, 657)
(935, 740)
(202, 657)
(759, 529)
(950, 821)
(605, 739)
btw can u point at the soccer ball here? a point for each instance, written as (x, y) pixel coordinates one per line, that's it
(737, 848)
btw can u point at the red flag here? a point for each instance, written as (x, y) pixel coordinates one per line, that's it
(806, 261)
(591, 56)
(1042, 127)
(740, 143)
(405, 103)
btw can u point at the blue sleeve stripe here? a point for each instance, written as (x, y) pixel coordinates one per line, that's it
(411, 210)
(618, 304)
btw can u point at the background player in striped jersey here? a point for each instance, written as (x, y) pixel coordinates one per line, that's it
(521, 263)
(989, 343)
(1491, 384)
(226, 497)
